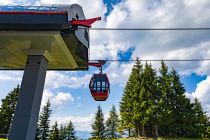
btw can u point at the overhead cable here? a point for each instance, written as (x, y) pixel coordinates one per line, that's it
(150, 60)
(136, 29)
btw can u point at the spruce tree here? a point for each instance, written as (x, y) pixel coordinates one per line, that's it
(7, 110)
(112, 124)
(200, 120)
(44, 122)
(181, 107)
(130, 101)
(126, 111)
(70, 132)
(166, 100)
(54, 133)
(157, 105)
(136, 88)
(207, 132)
(149, 97)
(98, 125)
(62, 132)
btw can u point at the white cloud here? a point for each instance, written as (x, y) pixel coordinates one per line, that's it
(62, 98)
(200, 50)
(46, 96)
(202, 93)
(91, 9)
(60, 79)
(81, 123)
(118, 73)
(6, 2)
(57, 100)
(157, 44)
(189, 96)
(11, 75)
(154, 44)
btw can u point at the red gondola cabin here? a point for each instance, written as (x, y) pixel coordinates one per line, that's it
(99, 87)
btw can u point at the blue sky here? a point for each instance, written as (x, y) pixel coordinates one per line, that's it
(68, 91)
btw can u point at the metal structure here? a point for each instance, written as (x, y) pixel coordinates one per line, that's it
(24, 29)
(99, 84)
(37, 39)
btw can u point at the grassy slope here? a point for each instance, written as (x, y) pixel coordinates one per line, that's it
(160, 139)
(149, 139)
(153, 139)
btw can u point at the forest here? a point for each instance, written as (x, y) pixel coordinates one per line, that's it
(153, 105)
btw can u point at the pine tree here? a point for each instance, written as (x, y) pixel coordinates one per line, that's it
(157, 105)
(70, 132)
(181, 107)
(166, 100)
(44, 122)
(112, 124)
(207, 132)
(200, 120)
(7, 110)
(136, 88)
(126, 111)
(62, 132)
(149, 97)
(130, 101)
(98, 125)
(54, 133)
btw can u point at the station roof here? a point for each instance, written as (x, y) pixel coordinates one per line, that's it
(34, 8)
(28, 29)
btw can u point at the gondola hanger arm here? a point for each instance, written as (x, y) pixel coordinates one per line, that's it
(95, 64)
(98, 64)
(85, 23)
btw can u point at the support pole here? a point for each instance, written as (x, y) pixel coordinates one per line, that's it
(28, 105)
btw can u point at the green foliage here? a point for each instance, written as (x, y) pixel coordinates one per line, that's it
(129, 105)
(44, 122)
(62, 132)
(54, 133)
(155, 106)
(98, 125)
(112, 124)
(200, 120)
(7, 110)
(166, 101)
(181, 109)
(70, 132)
(149, 98)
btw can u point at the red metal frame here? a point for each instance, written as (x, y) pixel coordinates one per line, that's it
(96, 64)
(85, 23)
